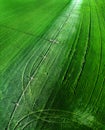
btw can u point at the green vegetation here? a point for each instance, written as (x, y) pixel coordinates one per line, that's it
(52, 65)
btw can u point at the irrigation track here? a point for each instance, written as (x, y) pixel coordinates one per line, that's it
(46, 52)
(69, 55)
(40, 63)
(72, 55)
(56, 91)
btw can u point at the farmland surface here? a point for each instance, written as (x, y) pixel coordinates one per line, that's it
(52, 64)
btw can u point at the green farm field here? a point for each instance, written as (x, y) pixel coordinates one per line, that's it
(52, 64)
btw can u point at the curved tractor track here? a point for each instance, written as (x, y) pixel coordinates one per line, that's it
(52, 65)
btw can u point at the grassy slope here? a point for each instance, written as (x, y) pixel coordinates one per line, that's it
(58, 83)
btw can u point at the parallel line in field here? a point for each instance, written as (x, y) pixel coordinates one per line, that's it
(53, 64)
(46, 112)
(98, 69)
(47, 79)
(18, 100)
(85, 55)
(83, 63)
(73, 48)
(58, 90)
(97, 98)
(68, 74)
(28, 63)
(39, 111)
(52, 41)
(36, 60)
(55, 93)
(45, 83)
(25, 89)
(87, 49)
(53, 60)
(88, 46)
(72, 51)
(37, 40)
(25, 126)
(49, 69)
(44, 56)
(21, 96)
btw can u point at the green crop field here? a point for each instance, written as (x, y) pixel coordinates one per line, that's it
(52, 64)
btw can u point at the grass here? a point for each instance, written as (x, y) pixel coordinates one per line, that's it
(52, 67)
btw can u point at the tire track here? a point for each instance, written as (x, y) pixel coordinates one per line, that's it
(54, 59)
(54, 38)
(61, 72)
(22, 94)
(86, 52)
(54, 96)
(68, 74)
(101, 52)
(98, 68)
(27, 124)
(72, 52)
(83, 63)
(28, 63)
(47, 112)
